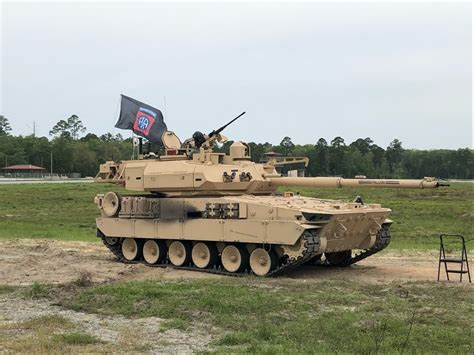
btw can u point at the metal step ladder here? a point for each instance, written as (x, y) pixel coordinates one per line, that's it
(451, 260)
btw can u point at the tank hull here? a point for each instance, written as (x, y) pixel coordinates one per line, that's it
(292, 229)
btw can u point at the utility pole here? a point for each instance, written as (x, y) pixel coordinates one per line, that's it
(34, 129)
(51, 164)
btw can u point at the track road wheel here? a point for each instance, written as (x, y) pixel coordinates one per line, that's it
(131, 249)
(340, 258)
(204, 255)
(235, 258)
(154, 251)
(262, 261)
(179, 253)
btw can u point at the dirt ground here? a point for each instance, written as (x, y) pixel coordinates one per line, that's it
(23, 262)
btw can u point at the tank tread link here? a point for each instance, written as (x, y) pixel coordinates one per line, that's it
(309, 256)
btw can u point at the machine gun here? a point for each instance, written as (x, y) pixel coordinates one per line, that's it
(201, 139)
(219, 130)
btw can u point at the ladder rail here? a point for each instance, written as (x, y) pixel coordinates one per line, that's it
(467, 261)
(445, 260)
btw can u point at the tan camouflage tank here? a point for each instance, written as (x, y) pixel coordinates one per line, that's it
(202, 210)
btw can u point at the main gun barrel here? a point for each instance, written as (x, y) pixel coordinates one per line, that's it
(335, 182)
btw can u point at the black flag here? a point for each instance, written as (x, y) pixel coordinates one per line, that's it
(143, 119)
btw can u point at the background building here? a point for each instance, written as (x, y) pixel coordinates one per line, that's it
(23, 171)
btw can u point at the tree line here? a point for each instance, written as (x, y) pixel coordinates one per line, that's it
(73, 153)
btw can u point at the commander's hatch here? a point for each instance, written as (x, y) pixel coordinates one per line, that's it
(172, 145)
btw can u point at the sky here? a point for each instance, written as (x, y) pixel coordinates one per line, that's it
(303, 70)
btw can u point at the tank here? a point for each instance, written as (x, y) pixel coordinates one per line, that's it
(198, 209)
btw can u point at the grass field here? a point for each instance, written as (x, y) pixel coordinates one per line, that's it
(265, 316)
(67, 211)
(285, 317)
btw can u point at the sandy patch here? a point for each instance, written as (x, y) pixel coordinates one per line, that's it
(24, 261)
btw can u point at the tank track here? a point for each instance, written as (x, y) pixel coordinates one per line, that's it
(381, 242)
(311, 244)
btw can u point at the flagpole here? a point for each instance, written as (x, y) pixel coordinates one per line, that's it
(133, 146)
(117, 113)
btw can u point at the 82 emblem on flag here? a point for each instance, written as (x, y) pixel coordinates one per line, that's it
(144, 120)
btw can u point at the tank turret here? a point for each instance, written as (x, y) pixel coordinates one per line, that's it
(218, 212)
(188, 171)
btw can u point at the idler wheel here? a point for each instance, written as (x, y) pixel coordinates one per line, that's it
(154, 251)
(340, 258)
(111, 204)
(204, 255)
(234, 258)
(262, 261)
(179, 253)
(130, 249)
